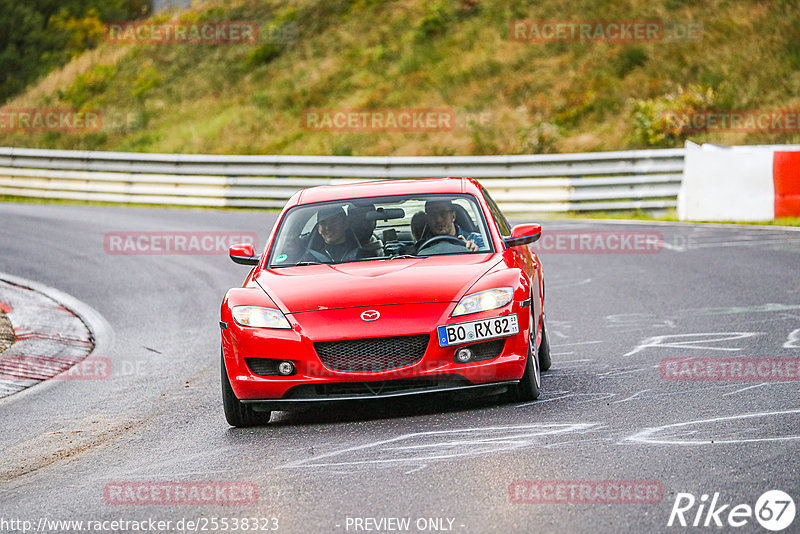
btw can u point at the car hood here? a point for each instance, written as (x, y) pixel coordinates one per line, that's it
(374, 282)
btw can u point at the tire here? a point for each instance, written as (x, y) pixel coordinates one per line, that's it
(544, 351)
(530, 386)
(236, 413)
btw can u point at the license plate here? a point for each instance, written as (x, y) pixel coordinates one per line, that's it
(455, 334)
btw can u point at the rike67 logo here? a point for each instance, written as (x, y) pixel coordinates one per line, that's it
(774, 510)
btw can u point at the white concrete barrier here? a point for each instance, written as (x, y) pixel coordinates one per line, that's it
(734, 183)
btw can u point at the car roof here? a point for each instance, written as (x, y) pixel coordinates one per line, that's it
(324, 193)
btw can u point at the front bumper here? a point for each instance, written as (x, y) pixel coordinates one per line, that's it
(435, 372)
(287, 403)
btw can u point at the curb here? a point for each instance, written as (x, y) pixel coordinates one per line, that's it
(97, 337)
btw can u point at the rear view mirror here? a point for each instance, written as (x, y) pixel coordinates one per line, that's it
(382, 214)
(243, 254)
(523, 234)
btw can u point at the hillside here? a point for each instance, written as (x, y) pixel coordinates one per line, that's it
(502, 96)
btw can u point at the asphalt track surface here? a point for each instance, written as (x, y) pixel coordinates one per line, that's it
(606, 412)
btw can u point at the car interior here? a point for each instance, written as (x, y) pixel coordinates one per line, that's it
(381, 227)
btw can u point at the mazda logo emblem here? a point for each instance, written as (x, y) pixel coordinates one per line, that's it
(371, 315)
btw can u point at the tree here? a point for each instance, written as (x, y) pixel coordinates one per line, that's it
(39, 35)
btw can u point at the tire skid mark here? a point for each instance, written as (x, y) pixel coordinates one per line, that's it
(44, 450)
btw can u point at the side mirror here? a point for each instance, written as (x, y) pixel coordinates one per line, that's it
(243, 254)
(523, 234)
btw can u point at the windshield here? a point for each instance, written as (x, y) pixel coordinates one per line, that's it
(380, 228)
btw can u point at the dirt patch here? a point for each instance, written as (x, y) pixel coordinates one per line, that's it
(6, 332)
(72, 440)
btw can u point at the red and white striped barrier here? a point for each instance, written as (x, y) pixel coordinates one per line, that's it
(741, 183)
(786, 173)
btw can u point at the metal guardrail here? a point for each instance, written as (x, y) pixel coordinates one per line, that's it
(636, 179)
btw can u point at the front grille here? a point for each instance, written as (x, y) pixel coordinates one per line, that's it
(371, 355)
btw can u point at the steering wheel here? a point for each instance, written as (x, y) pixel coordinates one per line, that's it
(440, 238)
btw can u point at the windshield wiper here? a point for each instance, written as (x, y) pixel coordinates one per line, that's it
(404, 257)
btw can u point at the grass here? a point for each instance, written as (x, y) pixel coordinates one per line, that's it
(456, 54)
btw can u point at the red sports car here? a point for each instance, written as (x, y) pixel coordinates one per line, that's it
(380, 290)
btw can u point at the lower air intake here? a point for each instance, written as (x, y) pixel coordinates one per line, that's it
(372, 355)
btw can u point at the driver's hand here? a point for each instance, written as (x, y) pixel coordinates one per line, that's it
(471, 246)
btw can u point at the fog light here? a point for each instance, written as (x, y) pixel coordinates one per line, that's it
(286, 368)
(463, 355)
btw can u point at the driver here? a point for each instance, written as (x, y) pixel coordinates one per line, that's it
(441, 217)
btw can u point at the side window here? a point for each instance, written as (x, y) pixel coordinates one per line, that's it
(497, 215)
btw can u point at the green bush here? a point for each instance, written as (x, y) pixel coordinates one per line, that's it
(653, 119)
(264, 54)
(147, 80)
(434, 22)
(36, 37)
(630, 58)
(88, 85)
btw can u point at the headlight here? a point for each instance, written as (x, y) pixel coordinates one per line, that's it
(258, 317)
(484, 300)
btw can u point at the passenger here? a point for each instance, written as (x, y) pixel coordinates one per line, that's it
(338, 241)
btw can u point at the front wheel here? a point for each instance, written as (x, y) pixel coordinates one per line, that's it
(530, 386)
(236, 413)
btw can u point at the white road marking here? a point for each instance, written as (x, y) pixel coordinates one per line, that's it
(745, 389)
(600, 397)
(420, 468)
(658, 341)
(541, 401)
(579, 343)
(442, 444)
(561, 444)
(637, 321)
(632, 396)
(649, 435)
(731, 310)
(618, 372)
(793, 340)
